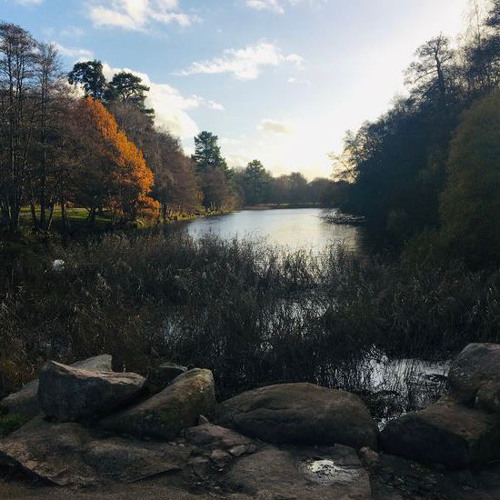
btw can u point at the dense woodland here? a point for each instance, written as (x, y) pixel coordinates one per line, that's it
(427, 172)
(78, 140)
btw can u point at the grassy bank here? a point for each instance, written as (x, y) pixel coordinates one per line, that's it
(253, 314)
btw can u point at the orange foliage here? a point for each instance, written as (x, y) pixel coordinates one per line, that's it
(131, 180)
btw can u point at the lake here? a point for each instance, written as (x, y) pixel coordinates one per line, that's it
(291, 228)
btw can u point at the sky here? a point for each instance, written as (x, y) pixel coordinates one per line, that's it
(276, 80)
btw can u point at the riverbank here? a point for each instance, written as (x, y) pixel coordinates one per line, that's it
(281, 206)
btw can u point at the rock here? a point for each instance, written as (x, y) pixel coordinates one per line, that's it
(369, 458)
(166, 414)
(25, 402)
(50, 451)
(163, 375)
(445, 433)
(211, 437)
(488, 397)
(70, 394)
(66, 454)
(475, 365)
(295, 473)
(220, 458)
(300, 414)
(130, 461)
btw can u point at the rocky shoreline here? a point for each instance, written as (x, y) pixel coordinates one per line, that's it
(100, 434)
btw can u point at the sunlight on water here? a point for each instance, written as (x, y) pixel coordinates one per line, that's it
(293, 228)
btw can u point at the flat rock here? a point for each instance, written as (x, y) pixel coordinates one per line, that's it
(300, 414)
(476, 365)
(66, 454)
(301, 473)
(70, 394)
(445, 433)
(166, 414)
(25, 401)
(50, 451)
(211, 436)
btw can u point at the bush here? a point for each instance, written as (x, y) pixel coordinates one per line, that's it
(252, 313)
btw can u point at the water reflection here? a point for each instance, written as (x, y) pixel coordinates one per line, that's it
(290, 228)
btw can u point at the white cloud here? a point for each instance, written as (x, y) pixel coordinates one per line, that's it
(246, 63)
(29, 2)
(73, 52)
(138, 15)
(275, 127)
(72, 31)
(272, 5)
(278, 6)
(171, 107)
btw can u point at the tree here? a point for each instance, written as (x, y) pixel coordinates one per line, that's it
(213, 172)
(52, 102)
(470, 209)
(207, 153)
(128, 88)
(255, 183)
(90, 77)
(112, 170)
(18, 55)
(431, 75)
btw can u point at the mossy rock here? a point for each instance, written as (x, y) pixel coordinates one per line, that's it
(166, 414)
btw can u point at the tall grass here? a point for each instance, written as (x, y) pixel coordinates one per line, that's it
(252, 313)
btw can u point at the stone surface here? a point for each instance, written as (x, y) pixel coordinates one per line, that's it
(164, 415)
(67, 454)
(474, 366)
(445, 433)
(488, 397)
(163, 375)
(25, 402)
(300, 414)
(213, 436)
(301, 473)
(70, 394)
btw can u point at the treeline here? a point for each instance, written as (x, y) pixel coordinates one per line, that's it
(79, 140)
(427, 173)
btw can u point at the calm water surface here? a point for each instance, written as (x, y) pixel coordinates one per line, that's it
(291, 228)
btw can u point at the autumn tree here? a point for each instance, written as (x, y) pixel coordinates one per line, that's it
(112, 171)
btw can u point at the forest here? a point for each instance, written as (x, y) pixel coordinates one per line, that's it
(426, 174)
(77, 140)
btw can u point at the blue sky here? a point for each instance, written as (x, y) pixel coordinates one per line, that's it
(276, 80)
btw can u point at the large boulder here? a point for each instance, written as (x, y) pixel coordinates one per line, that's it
(25, 401)
(445, 433)
(488, 397)
(161, 376)
(67, 454)
(300, 414)
(476, 365)
(164, 415)
(301, 473)
(70, 394)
